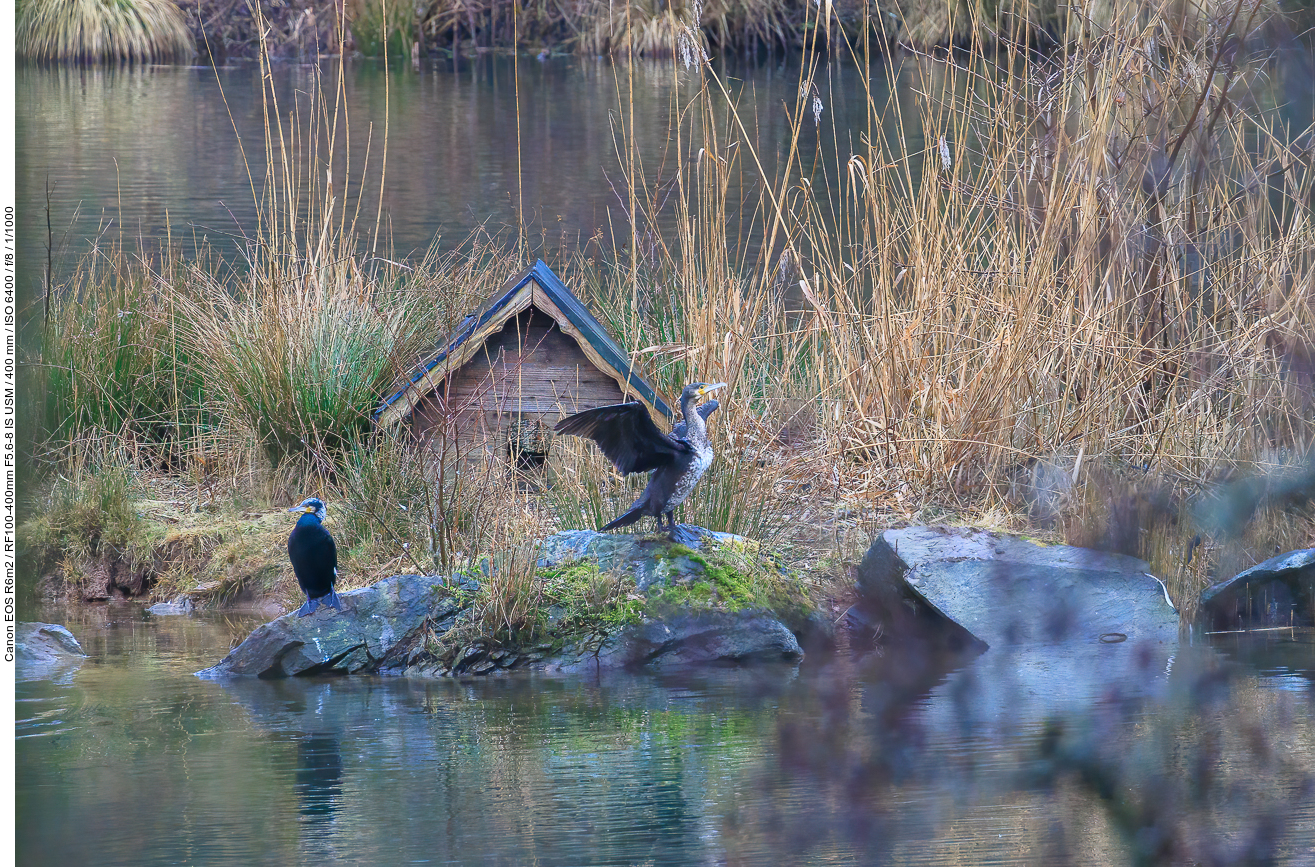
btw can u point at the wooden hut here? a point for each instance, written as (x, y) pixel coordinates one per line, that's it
(529, 355)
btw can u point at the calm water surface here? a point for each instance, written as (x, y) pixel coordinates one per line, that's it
(174, 152)
(167, 154)
(130, 759)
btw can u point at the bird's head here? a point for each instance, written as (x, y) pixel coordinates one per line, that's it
(310, 506)
(696, 390)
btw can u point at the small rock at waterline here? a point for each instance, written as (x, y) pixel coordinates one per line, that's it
(44, 649)
(177, 605)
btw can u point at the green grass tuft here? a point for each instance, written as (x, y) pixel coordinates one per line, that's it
(384, 27)
(84, 517)
(111, 360)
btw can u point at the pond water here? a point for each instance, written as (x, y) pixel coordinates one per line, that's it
(166, 152)
(130, 759)
(174, 152)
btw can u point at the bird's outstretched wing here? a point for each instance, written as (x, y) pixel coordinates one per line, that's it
(627, 435)
(706, 410)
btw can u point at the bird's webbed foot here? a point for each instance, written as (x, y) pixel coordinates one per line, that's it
(328, 600)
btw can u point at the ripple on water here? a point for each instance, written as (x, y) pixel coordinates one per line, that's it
(40, 715)
(133, 761)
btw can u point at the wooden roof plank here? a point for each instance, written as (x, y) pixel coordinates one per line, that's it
(589, 331)
(469, 337)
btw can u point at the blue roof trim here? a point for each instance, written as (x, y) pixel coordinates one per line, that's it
(467, 327)
(574, 311)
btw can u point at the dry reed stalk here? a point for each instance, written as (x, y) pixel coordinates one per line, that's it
(1086, 265)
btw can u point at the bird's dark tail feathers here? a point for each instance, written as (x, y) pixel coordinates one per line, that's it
(634, 514)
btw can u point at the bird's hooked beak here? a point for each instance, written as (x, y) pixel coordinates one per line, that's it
(710, 388)
(304, 509)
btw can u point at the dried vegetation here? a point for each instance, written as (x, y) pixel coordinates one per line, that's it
(1073, 293)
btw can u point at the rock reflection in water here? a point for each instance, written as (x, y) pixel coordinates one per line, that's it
(1209, 765)
(873, 759)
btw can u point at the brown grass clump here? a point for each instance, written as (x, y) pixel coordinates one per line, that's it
(134, 31)
(642, 28)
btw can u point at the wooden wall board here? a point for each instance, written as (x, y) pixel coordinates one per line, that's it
(529, 368)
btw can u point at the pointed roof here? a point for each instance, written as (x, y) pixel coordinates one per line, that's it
(538, 287)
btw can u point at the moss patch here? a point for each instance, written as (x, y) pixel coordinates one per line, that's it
(581, 598)
(728, 576)
(572, 602)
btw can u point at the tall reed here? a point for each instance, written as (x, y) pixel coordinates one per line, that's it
(112, 360)
(1101, 258)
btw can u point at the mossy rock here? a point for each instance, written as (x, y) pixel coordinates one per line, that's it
(601, 601)
(710, 598)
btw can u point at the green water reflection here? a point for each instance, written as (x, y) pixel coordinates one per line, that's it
(130, 759)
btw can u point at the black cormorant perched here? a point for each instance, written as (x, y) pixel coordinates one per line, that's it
(626, 434)
(314, 557)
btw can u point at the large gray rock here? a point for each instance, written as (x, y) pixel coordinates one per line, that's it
(400, 626)
(980, 589)
(1057, 627)
(373, 620)
(714, 637)
(44, 650)
(690, 638)
(1277, 592)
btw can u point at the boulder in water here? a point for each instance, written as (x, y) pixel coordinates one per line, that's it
(44, 650)
(1053, 627)
(1277, 592)
(713, 599)
(373, 619)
